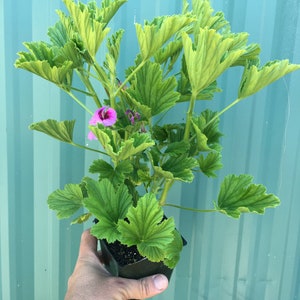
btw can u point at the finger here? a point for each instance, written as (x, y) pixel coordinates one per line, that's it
(88, 244)
(146, 287)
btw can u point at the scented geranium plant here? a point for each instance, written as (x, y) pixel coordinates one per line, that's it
(138, 155)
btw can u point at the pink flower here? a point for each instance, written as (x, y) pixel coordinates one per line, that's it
(104, 115)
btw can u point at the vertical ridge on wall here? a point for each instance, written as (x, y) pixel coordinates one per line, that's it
(4, 233)
(252, 258)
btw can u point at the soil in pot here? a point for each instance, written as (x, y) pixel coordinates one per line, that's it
(126, 262)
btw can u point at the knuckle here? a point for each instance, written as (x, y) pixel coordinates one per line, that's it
(144, 287)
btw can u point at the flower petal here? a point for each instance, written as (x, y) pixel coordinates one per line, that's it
(104, 115)
(91, 136)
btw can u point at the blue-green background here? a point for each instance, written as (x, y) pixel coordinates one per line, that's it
(257, 257)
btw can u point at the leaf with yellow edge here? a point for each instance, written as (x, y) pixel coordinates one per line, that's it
(40, 60)
(147, 229)
(62, 131)
(255, 78)
(209, 57)
(239, 195)
(156, 34)
(108, 9)
(205, 18)
(92, 32)
(67, 201)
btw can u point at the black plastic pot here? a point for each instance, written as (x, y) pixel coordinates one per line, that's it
(136, 270)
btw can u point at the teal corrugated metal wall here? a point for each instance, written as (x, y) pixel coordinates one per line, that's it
(253, 258)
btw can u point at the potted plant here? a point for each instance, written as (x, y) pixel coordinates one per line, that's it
(138, 156)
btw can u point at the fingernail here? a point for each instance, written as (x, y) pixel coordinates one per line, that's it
(160, 282)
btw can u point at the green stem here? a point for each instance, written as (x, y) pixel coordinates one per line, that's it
(189, 117)
(87, 148)
(78, 101)
(129, 77)
(163, 197)
(190, 208)
(236, 101)
(102, 77)
(90, 87)
(81, 91)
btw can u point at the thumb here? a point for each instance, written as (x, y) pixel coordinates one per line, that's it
(146, 287)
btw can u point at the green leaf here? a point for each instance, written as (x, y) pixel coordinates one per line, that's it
(106, 229)
(108, 9)
(210, 163)
(115, 175)
(251, 54)
(177, 148)
(153, 36)
(106, 201)
(40, 60)
(143, 110)
(150, 89)
(201, 138)
(137, 143)
(169, 133)
(160, 173)
(255, 78)
(205, 18)
(211, 131)
(65, 32)
(67, 201)
(184, 86)
(92, 32)
(113, 44)
(106, 138)
(181, 167)
(146, 229)
(239, 195)
(108, 205)
(208, 58)
(173, 251)
(169, 54)
(58, 34)
(69, 52)
(62, 131)
(101, 166)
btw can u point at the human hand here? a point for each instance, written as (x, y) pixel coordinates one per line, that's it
(91, 281)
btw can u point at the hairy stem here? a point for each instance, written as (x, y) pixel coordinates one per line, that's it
(189, 117)
(78, 101)
(87, 148)
(86, 81)
(236, 101)
(165, 191)
(190, 208)
(129, 77)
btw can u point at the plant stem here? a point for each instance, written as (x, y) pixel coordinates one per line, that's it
(190, 208)
(236, 101)
(165, 191)
(81, 91)
(129, 77)
(87, 148)
(78, 101)
(189, 117)
(90, 87)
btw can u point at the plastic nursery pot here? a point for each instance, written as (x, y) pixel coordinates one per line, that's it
(126, 262)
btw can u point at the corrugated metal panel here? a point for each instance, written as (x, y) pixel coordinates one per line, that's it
(254, 258)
